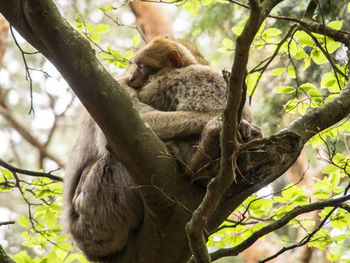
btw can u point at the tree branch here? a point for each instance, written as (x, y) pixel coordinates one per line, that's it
(30, 173)
(323, 117)
(229, 140)
(42, 25)
(135, 145)
(234, 251)
(7, 223)
(337, 35)
(4, 258)
(304, 241)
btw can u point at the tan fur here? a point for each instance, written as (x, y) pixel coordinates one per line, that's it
(155, 53)
(195, 88)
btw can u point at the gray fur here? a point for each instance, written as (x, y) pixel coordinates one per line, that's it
(93, 178)
(102, 206)
(192, 88)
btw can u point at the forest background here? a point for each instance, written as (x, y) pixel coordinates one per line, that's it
(291, 70)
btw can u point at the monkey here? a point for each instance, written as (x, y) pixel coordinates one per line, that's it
(199, 57)
(102, 206)
(97, 193)
(169, 78)
(158, 57)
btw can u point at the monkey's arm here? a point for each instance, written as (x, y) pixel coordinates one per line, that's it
(204, 163)
(168, 124)
(177, 124)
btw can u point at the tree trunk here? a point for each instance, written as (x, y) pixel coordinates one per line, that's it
(152, 20)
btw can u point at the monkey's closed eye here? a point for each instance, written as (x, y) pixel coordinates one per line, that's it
(149, 69)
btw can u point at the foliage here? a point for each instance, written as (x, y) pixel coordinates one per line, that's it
(42, 230)
(298, 52)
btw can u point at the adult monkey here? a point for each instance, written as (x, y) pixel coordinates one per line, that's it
(101, 205)
(95, 177)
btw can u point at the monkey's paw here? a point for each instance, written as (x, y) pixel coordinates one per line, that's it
(214, 126)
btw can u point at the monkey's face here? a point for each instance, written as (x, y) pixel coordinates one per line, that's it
(140, 76)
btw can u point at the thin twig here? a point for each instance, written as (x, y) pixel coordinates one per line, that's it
(30, 173)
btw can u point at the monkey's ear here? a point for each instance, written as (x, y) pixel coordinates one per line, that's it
(175, 59)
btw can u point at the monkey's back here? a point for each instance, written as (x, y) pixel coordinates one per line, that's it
(192, 88)
(101, 205)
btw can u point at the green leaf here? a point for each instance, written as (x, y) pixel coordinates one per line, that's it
(261, 206)
(65, 246)
(108, 8)
(129, 54)
(335, 24)
(339, 159)
(320, 194)
(330, 97)
(89, 27)
(304, 38)
(309, 88)
(302, 108)
(136, 40)
(22, 257)
(228, 43)
(79, 24)
(101, 29)
(271, 33)
(94, 38)
(278, 71)
(105, 55)
(50, 218)
(330, 169)
(301, 54)
(237, 30)
(321, 239)
(7, 173)
(328, 80)
(339, 224)
(71, 258)
(28, 244)
(349, 7)
(280, 199)
(191, 7)
(23, 221)
(116, 54)
(332, 45)
(291, 105)
(291, 72)
(318, 57)
(60, 239)
(284, 89)
(251, 81)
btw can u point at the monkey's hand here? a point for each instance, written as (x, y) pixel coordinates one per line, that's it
(249, 131)
(204, 163)
(213, 127)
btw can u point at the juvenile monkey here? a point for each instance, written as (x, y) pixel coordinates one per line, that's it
(169, 78)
